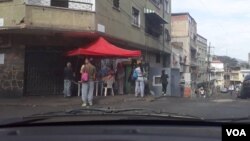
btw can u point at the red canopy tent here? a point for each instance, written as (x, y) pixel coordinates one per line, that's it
(101, 47)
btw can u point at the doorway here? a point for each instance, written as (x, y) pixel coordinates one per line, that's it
(43, 72)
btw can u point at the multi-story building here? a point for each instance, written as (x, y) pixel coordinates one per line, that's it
(202, 60)
(249, 58)
(245, 72)
(35, 35)
(217, 73)
(236, 75)
(176, 67)
(184, 30)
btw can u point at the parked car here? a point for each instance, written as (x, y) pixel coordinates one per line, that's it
(223, 90)
(245, 89)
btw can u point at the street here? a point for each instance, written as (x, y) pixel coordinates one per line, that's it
(218, 106)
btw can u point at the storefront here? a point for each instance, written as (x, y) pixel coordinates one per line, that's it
(34, 61)
(43, 71)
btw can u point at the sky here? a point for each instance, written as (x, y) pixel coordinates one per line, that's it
(225, 23)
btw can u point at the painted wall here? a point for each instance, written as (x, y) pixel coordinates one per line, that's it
(12, 13)
(175, 82)
(217, 66)
(154, 78)
(179, 25)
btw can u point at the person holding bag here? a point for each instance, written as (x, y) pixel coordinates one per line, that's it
(139, 82)
(88, 72)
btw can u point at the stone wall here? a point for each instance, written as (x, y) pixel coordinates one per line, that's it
(12, 72)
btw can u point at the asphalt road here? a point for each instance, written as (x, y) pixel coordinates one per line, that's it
(219, 106)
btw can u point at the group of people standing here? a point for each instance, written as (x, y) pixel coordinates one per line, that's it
(89, 75)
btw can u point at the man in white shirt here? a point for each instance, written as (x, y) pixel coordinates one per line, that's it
(139, 83)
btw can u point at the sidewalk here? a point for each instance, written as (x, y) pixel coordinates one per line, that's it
(55, 101)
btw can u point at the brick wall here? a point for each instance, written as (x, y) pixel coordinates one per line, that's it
(12, 72)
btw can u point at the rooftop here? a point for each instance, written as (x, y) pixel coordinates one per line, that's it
(183, 13)
(216, 61)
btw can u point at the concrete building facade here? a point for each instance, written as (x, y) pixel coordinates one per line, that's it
(236, 77)
(202, 60)
(244, 72)
(34, 35)
(177, 66)
(217, 73)
(184, 30)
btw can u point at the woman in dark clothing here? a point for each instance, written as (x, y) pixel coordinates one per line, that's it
(68, 77)
(130, 80)
(164, 81)
(131, 74)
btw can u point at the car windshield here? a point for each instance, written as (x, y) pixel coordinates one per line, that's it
(174, 59)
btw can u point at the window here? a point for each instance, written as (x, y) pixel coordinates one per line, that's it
(157, 81)
(158, 58)
(136, 16)
(116, 4)
(60, 3)
(166, 6)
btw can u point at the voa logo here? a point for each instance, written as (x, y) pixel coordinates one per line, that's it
(236, 132)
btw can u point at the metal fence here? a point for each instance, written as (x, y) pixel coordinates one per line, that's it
(87, 5)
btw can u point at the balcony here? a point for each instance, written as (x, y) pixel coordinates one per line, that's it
(216, 70)
(193, 45)
(194, 62)
(52, 17)
(153, 23)
(235, 78)
(75, 15)
(219, 78)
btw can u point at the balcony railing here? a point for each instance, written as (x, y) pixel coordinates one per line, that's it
(217, 78)
(87, 5)
(235, 78)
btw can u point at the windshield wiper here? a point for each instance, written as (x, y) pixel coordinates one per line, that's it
(131, 111)
(134, 112)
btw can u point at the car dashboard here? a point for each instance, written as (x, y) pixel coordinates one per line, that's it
(112, 133)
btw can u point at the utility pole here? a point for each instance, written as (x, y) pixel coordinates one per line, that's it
(208, 65)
